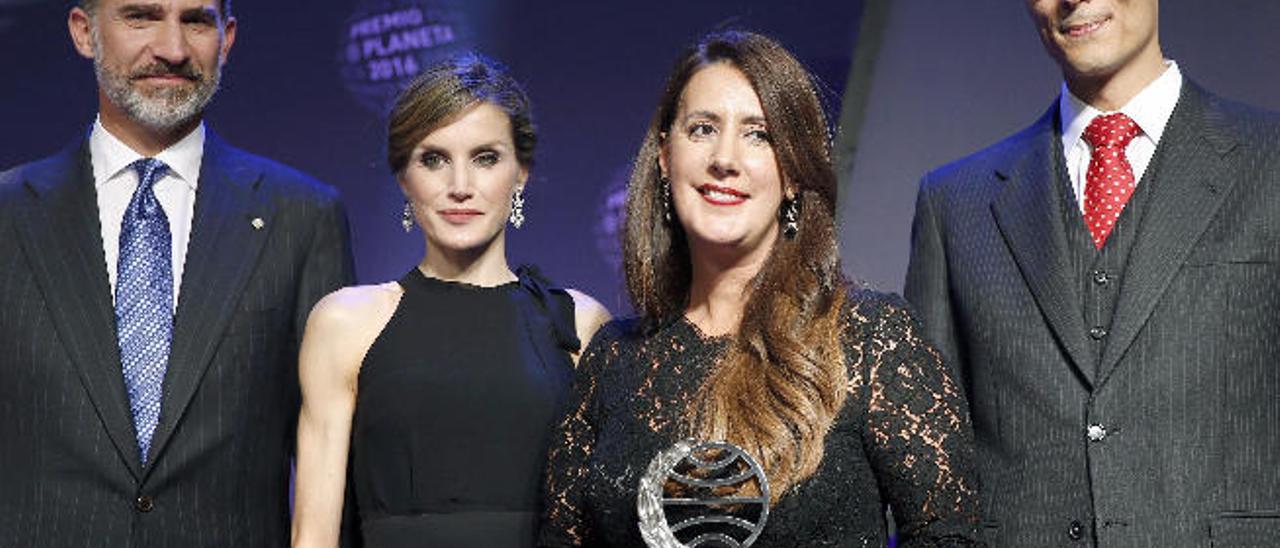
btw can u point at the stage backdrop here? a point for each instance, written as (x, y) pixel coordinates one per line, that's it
(953, 77)
(308, 83)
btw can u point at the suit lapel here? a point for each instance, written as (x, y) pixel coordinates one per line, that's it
(62, 237)
(1028, 212)
(1196, 170)
(224, 248)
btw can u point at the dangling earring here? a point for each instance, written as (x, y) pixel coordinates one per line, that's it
(664, 186)
(406, 217)
(790, 218)
(517, 207)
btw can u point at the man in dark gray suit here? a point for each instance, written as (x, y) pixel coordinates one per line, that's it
(1105, 283)
(154, 286)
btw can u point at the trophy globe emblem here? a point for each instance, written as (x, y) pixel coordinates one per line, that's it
(702, 494)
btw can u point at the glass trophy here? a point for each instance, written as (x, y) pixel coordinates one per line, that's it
(702, 495)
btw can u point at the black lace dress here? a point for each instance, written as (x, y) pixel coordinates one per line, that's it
(901, 439)
(457, 399)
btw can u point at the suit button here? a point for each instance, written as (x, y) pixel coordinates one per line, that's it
(1096, 432)
(1075, 531)
(1100, 277)
(1098, 333)
(144, 504)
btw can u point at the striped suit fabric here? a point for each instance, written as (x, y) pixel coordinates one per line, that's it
(1151, 418)
(266, 243)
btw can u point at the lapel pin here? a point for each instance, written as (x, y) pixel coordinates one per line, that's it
(257, 223)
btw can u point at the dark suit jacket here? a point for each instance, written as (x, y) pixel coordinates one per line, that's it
(220, 458)
(1188, 384)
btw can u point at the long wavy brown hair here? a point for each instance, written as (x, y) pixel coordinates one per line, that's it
(778, 388)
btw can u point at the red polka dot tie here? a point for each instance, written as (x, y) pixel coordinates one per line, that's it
(1109, 182)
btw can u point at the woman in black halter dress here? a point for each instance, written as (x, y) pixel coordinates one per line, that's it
(431, 398)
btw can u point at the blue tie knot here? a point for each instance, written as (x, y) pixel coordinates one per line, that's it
(150, 171)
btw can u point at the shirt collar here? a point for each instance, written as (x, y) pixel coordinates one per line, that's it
(1150, 108)
(110, 155)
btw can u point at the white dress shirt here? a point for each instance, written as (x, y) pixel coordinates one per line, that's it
(115, 182)
(1150, 109)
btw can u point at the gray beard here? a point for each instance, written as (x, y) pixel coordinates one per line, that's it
(163, 110)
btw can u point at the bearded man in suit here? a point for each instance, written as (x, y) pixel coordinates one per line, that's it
(1105, 283)
(155, 285)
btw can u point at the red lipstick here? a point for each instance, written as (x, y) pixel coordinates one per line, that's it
(720, 195)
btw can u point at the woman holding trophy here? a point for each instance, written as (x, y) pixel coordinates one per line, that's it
(750, 336)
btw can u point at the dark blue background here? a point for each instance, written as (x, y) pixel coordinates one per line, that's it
(593, 70)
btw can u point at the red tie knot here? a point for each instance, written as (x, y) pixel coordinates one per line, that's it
(1112, 130)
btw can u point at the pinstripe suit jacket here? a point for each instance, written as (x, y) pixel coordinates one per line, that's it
(1188, 384)
(70, 474)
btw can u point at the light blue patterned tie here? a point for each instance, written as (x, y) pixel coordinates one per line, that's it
(144, 300)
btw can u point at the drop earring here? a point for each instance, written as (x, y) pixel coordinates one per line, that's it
(406, 217)
(664, 187)
(517, 207)
(790, 218)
